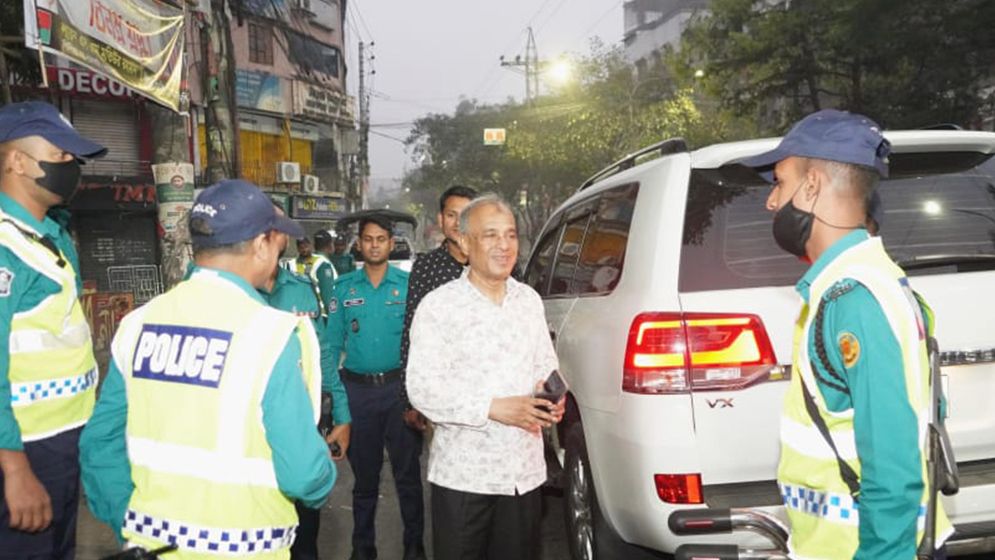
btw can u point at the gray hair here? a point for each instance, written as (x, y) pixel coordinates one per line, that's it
(486, 199)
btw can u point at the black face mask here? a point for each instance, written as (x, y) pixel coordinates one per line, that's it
(792, 228)
(60, 178)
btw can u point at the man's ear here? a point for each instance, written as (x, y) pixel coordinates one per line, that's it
(438, 219)
(464, 243)
(814, 179)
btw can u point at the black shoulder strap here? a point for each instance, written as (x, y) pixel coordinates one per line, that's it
(41, 239)
(846, 471)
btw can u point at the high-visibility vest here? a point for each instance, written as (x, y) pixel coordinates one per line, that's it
(196, 362)
(53, 374)
(310, 267)
(824, 516)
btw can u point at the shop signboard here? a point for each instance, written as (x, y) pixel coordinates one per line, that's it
(306, 207)
(139, 43)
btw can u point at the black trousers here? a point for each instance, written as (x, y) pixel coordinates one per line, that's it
(55, 462)
(305, 545)
(467, 526)
(377, 421)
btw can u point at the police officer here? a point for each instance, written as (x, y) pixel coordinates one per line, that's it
(47, 370)
(860, 386)
(309, 263)
(341, 258)
(289, 292)
(204, 432)
(324, 272)
(365, 318)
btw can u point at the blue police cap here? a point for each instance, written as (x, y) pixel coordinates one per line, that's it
(830, 135)
(233, 211)
(35, 118)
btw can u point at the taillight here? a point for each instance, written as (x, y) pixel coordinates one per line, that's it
(721, 351)
(679, 488)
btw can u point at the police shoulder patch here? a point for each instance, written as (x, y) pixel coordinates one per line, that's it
(849, 348)
(6, 280)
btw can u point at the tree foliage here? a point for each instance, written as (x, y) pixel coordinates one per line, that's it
(561, 139)
(906, 63)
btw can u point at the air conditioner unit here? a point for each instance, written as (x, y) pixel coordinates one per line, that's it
(310, 184)
(288, 172)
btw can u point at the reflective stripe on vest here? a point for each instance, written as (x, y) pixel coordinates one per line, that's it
(824, 518)
(210, 540)
(24, 394)
(196, 441)
(52, 370)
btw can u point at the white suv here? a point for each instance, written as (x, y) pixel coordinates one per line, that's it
(653, 265)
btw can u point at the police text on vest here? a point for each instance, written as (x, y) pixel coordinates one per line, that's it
(178, 354)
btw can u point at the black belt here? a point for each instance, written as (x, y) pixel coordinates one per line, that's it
(376, 378)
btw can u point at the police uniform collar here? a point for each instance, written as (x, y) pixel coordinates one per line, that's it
(392, 276)
(13, 209)
(847, 241)
(236, 280)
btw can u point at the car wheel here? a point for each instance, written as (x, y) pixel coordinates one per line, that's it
(588, 534)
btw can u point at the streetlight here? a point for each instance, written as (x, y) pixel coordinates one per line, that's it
(560, 72)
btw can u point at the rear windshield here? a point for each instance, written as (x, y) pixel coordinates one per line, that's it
(939, 217)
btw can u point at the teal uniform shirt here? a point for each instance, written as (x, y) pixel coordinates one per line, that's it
(367, 322)
(344, 263)
(326, 283)
(23, 288)
(304, 470)
(294, 293)
(885, 425)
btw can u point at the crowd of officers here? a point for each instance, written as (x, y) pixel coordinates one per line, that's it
(229, 398)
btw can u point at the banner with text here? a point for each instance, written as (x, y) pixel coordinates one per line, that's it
(137, 42)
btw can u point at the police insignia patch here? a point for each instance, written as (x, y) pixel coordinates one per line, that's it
(849, 349)
(6, 279)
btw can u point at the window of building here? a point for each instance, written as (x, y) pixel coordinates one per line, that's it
(260, 44)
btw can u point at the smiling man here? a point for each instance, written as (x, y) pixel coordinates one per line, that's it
(479, 348)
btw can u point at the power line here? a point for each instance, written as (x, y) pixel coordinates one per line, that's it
(362, 20)
(596, 22)
(389, 137)
(550, 16)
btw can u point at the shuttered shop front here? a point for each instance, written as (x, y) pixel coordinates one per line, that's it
(115, 125)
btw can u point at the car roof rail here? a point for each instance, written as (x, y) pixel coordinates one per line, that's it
(942, 126)
(666, 147)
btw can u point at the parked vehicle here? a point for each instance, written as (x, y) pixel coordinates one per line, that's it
(672, 312)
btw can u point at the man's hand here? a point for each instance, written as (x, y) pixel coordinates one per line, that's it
(29, 504)
(415, 420)
(527, 413)
(340, 434)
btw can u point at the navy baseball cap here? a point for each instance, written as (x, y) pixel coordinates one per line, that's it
(233, 211)
(830, 135)
(36, 118)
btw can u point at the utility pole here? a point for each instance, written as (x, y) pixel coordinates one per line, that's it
(364, 123)
(531, 67)
(219, 92)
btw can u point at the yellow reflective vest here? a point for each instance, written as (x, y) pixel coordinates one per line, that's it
(824, 516)
(53, 374)
(196, 362)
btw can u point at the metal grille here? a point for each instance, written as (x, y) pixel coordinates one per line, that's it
(141, 280)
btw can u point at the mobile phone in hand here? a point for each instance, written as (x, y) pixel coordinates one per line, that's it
(336, 449)
(553, 388)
